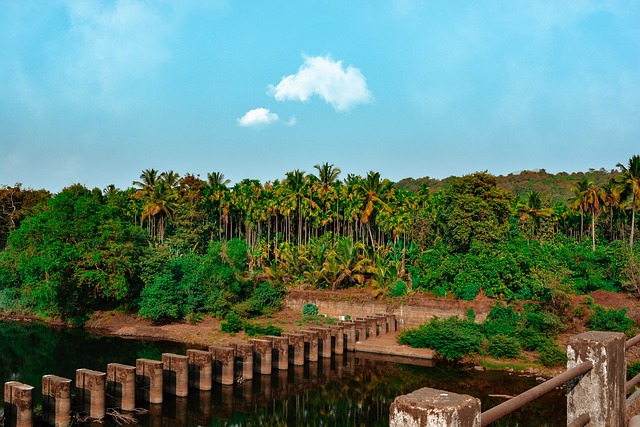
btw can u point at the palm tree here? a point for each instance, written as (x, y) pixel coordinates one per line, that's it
(373, 190)
(215, 180)
(631, 188)
(592, 201)
(532, 211)
(577, 202)
(170, 178)
(611, 199)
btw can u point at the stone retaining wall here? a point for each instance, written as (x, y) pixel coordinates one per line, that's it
(412, 312)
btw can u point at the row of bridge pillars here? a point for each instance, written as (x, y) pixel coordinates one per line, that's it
(122, 385)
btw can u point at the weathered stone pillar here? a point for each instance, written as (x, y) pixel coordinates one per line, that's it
(337, 339)
(56, 400)
(18, 404)
(324, 344)
(245, 351)
(262, 358)
(90, 387)
(296, 347)
(280, 351)
(224, 360)
(601, 391)
(391, 322)
(349, 329)
(372, 327)
(361, 330)
(121, 386)
(149, 380)
(382, 324)
(430, 407)
(175, 374)
(200, 369)
(311, 337)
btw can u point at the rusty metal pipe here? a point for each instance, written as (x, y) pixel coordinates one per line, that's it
(633, 341)
(581, 421)
(632, 382)
(499, 411)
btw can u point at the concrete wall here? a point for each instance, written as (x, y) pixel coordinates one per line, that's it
(412, 312)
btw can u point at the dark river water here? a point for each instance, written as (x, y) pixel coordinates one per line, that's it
(354, 390)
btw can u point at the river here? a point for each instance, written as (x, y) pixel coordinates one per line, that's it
(354, 390)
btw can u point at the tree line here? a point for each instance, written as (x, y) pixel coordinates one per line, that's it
(208, 246)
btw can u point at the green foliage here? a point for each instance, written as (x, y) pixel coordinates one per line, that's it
(399, 289)
(451, 338)
(633, 369)
(254, 329)
(552, 355)
(232, 324)
(265, 298)
(162, 299)
(310, 309)
(501, 321)
(609, 319)
(503, 346)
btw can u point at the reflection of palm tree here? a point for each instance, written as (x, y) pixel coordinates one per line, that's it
(631, 188)
(532, 211)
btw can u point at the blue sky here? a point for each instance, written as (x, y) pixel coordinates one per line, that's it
(93, 92)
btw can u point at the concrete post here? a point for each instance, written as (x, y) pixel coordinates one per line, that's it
(149, 380)
(361, 330)
(430, 407)
(121, 386)
(245, 352)
(56, 401)
(382, 324)
(324, 338)
(280, 351)
(262, 359)
(18, 404)
(296, 345)
(372, 327)
(311, 337)
(349, 329)
(224, 360)
(391, 322)
(175, 374)
(200, 369)
(337, 335)
(90, 388)
(601, 391)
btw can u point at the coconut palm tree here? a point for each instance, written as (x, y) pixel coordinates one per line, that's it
(577, 201)
(592, 203)
(531, 211)
(630, 179)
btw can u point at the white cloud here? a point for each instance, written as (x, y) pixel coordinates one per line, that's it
(319, 75)
(257, 117)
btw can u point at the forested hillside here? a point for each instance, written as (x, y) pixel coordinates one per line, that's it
(174, 245)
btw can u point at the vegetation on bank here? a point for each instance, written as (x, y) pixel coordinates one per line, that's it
(176, 246)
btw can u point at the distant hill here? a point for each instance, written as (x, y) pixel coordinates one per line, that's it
(557, 187)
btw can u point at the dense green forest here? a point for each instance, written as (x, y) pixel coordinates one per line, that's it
(171, 245)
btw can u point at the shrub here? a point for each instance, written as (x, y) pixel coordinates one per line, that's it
(265, 297)
(162, 299)
(501, 321)
(633, 369)
(399, 289)
(232, 324)
(531, 339)
(451, 338)
(552, 355)
(255, 329)
(504, 346)
(310, 309)
(609, 319)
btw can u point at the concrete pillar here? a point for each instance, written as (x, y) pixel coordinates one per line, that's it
(430, 407)
(361, 329)
(349, 329)
(175, 374)
(311, 338)
(200, 369)
(324, 338)
(90, 388)
(601, 391)
(224, 360)
(391, 322)
(337, 337)
(296, 347)
(121, 386)
(372, 327)
(262, 358)
(382, 324)
(18, 404)
(245, 351)
(56, 401)
(280, 351)
(149, 380)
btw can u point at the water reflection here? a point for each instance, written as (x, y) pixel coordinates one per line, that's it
(349, 390)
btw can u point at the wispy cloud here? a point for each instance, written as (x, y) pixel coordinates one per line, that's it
(258, 117)
(320, 75)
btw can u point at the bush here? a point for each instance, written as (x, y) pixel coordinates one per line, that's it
(232, 324)
(502, 346)
(552, 355)
(162, 299)
(399, 289)
(255, 329)
(310, 309)
(265, 297)
(609, 319)
(531, 339)
(501, 321)
(451, 338)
